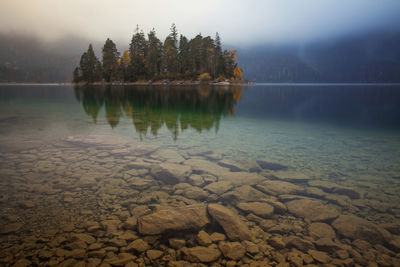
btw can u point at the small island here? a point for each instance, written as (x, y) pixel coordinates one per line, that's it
(149, 61)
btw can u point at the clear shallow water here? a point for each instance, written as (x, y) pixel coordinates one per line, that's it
(73, 156)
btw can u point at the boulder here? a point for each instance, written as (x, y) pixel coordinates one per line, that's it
(196, 193)
(312, 209)
(205, 166)
(174, 219)
(232, 250)
(167, 155)
(319, 230)
(171, 173)
(244, 193)
(336, 189)
(354, 227)
(291, 176)
(241, 178)
(201, 254)
(279, 188)
(219, 188)
(233, 226)
(273, 166)
(258, 208)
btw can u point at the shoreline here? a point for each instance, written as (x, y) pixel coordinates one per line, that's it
(136, 83)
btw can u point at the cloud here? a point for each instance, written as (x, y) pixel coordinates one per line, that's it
(238, 22)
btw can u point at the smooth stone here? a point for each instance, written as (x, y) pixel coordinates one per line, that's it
(279, 188)
(299, 243)
(277, 242)
(219, 188)
(335, 188)
(319, 256)
(201, 254)
(273, 166)
(138, 245)
(216, 237)
(171, 173)
(232, 250)
(258, 208)
(232, 165)
(312, 209)
(291, 176)
(121, 259)
(196, 180)
(206, 166)
(196, 193)
(153, 254)
(233, 226)
(321, 230)
(354, 227)
(203, 238)
(244, 193)
(168, 155)
(84, 237)
(241, 178)
(174, 219)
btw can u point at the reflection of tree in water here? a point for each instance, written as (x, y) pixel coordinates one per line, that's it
(176, 107)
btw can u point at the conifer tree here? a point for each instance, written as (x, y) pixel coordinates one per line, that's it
(110, 61)
(154, 55)
(170, 55)
(183, 56)
(137, 53)
(90, 66)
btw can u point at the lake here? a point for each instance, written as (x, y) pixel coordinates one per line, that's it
(262, 175)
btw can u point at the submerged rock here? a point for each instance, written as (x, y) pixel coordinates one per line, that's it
(354, 227)
(219, 188)
(273, 166)
(321, 230)
(233, 226)
(258, 208)
(171, 173)
(244, 193)
(206, 166)
(174, 219)
(232, 250)
(279, 188)
(312, 209)
(201, 254)
(291, 176)
(336, 189)
(241, 178)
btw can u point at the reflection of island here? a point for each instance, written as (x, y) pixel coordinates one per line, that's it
(178, 107)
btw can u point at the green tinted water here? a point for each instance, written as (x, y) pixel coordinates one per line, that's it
(75, 158)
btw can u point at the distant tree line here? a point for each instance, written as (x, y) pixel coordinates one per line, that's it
(150, 59)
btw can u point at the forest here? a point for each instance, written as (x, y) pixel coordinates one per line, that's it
(149, 59)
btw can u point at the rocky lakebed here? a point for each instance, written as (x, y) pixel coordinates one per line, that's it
(98, 200)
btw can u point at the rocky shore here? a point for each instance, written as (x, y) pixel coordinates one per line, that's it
(96, 200)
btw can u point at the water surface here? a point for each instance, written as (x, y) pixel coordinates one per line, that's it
(87, 160)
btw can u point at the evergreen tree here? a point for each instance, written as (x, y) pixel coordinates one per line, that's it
(154, 55)
(219, 63)
(110, 61)
(90, 66)
(76, 75)
(184, 56)
(170, 55)
(137, 53)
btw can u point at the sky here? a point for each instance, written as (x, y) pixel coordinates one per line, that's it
(238, 22)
